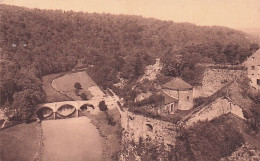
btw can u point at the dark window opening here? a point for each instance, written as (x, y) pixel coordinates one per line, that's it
(253, 67)
(258, 82)
(172, 107)
(188, 97)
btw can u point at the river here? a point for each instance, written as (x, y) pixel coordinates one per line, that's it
(74, 139)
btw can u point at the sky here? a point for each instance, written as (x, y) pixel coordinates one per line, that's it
(238, 14)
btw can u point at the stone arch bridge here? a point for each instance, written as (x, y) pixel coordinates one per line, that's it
(65, 108)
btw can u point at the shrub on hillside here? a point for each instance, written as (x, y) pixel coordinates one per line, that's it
(209, 140)
(199, 101)
(254, 119)
(83, 96)
(102, 106)
(77, 85)
(154, 100)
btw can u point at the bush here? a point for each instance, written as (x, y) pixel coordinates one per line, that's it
(77, 85)
(199, 101)
(210, 140)
(83, 96)
(110, 119)
(154, 100)
(102, 106)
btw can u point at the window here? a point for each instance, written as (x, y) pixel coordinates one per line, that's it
(258, 82)
(172, 107)
(188, 97)
(253, 58)
(253, 67)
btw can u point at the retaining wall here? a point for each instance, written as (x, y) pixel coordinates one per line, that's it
(215, 79)
(136, 126)
(217, 108)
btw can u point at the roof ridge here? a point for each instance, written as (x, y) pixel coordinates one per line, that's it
(177, 84)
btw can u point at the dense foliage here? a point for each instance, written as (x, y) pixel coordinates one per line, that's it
(37, 42)
(209, 140)
(254, 118)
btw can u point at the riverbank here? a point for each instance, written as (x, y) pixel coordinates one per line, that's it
(110, 133)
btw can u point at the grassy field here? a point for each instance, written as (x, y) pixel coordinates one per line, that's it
(51, 94)
(65, 84)
(19, 142)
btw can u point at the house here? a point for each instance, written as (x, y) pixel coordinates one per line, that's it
(180, 91)
(170, 104)
(253, 69)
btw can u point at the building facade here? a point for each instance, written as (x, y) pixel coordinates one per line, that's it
(181, 91)
(253, 69)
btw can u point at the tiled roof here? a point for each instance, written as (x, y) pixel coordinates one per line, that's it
(177, 84)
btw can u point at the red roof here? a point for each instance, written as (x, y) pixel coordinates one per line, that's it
(177, 84)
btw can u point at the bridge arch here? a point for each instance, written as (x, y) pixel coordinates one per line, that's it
(66, 110)
(44, 112)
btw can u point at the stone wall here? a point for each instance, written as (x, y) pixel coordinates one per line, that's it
(136, 126)
(214, 79)
(185, 98)
(215, 109)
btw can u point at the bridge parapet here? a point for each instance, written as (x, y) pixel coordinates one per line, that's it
(55, 106)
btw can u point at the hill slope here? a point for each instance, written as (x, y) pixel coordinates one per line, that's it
(37, 42)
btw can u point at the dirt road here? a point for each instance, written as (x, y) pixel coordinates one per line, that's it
(71, 139)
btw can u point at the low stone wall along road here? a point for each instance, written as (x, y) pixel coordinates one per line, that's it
(74, 139)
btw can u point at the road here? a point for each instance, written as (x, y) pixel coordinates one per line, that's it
(71, 139)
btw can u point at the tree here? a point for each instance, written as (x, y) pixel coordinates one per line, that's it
(255, 118)
(102, 106)
(83, 96)
(254, 47)
(171, 68)
(139, 68)
(22, 107)
(77, 85)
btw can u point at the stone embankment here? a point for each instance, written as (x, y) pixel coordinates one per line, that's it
(38, 155)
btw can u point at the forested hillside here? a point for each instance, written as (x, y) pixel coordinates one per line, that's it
(37, 42)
